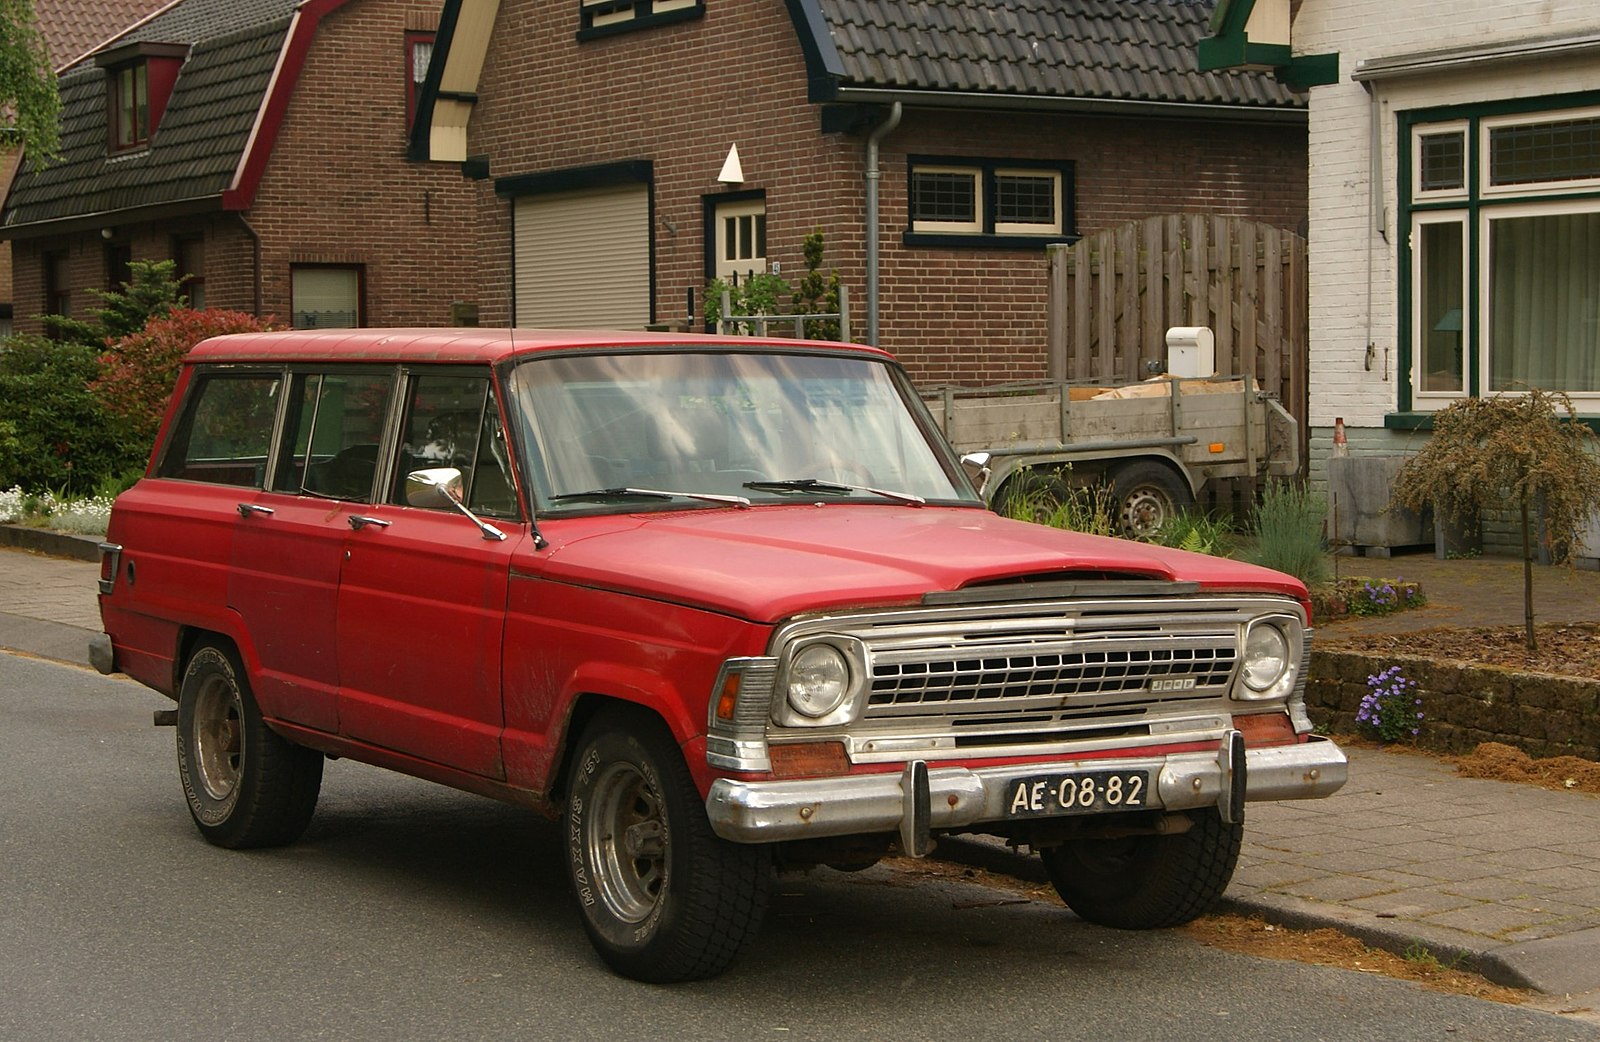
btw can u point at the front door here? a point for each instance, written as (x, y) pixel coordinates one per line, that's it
(422, 595)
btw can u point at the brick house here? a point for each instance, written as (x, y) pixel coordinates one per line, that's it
(627, 151)
(1455, 206)
(71, 29)
(262, 145)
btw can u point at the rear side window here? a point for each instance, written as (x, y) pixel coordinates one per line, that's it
(331, 434)
(225, 431)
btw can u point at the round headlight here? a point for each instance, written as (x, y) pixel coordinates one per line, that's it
(819, 680)
(1266, 657)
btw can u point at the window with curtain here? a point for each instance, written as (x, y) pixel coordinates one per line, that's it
(325, 297)
(1504, 260)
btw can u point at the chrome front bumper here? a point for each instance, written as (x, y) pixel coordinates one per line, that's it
(920, 800)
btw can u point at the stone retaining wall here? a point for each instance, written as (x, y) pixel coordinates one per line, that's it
(1465, 705)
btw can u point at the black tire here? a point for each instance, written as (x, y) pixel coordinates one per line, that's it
(1147, 882)
(1146, 496)
(682, 903)
(246, 785)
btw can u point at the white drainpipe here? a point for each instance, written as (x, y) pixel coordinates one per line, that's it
(884, 130)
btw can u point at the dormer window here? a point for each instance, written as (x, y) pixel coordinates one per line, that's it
(139, 80)
(130, 107)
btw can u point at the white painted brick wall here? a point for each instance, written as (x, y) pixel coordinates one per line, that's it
(1348, 254)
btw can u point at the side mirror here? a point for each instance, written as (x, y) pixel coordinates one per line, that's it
(977, 467)
(424, 488)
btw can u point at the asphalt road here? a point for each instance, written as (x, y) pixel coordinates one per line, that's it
(411, 912)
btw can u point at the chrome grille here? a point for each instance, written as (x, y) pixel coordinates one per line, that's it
(1097, 672)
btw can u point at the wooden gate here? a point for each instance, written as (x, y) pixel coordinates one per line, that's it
(1114, 294)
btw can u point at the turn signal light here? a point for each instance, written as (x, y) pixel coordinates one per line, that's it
(728, 697)
(1261, 729)
(807, 759)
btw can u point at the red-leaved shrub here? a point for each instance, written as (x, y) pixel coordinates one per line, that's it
(137, 372)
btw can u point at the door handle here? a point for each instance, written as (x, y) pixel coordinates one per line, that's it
(246, 509)
(359, 521)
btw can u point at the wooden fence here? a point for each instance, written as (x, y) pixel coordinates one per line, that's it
(1113, 295)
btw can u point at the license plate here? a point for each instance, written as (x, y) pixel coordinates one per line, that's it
(1078, 792)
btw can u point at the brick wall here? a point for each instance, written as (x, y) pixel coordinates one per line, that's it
(1353, 236)
(679, 95)
(1464, 705)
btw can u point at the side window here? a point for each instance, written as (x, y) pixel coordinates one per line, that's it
(331, 435)
(451, 421)
(225, 431)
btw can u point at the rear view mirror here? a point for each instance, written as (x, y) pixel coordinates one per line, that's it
(424, 487)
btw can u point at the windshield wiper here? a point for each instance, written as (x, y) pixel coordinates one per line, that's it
(836, 487)
(651, 493)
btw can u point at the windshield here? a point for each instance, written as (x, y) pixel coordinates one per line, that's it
(613, 429)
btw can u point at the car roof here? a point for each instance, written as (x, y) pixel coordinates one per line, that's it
(469, 344)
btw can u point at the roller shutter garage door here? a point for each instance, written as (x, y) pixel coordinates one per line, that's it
(583, 259)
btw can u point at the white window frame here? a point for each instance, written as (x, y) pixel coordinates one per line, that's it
(1469, 358)
(1588, 400)
(295, 295)
(1030, 228)
(1458, 126)
(735, 209)
(1540, 188)
(972, 227)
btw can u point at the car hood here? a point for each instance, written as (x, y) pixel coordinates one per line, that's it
(770, 562)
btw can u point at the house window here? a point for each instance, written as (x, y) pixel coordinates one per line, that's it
(57, 285)
(603, 17)
(325, 297)
(130, 106)
(189, 256)
(119, 265)
(989, 200)
(741, 237)
(419, 54)
(1504, 260)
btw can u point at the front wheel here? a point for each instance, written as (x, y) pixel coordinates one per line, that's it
(246, 786)
(1147, 882)
(663, 897)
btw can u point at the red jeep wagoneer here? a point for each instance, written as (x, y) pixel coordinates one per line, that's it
(723, 604)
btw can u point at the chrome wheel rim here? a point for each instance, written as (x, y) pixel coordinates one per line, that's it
(218, 738)
(626, 842)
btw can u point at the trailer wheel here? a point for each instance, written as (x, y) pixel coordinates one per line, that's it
(1146, 496)
(1031, 495)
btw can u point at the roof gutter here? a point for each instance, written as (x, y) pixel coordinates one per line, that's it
(1118, 107)
(1468, 59)
(199, 204)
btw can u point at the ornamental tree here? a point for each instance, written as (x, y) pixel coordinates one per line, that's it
(1527, 451)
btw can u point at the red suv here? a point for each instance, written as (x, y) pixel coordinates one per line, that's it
(723, 604)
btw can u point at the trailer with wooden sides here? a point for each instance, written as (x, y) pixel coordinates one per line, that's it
(1156, 444)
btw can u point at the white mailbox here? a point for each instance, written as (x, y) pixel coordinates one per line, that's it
(1191, 351)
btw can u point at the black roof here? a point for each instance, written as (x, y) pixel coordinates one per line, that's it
(1111, 50)
(199, 143)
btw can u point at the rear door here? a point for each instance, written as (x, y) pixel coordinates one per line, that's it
(289, 546)
(422, 597)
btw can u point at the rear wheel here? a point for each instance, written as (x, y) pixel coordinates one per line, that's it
(1032, 495)
(246, 786)
(663, 897)
(1147, 882)
(1147, 496)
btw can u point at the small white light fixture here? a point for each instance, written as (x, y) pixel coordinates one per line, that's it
(107, 233)
(732, 172)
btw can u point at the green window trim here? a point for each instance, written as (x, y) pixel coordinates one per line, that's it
(1473, 202)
